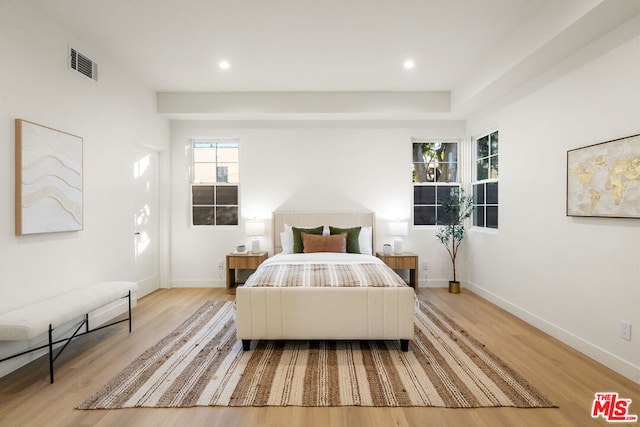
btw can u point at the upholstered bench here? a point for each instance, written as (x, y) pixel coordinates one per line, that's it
(33, 320)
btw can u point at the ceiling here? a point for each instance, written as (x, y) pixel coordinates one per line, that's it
(461, 46)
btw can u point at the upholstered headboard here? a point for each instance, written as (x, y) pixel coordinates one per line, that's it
(314, 218)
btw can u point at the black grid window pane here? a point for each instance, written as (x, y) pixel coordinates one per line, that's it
(492, 193)
(203, 215)
(219, 210)
(226, 215)
(226, 195)
(443, 217)
(424, 215)
(445, 191)
(478, 216)
(202, 195)
(478, 194)
(424, 195)
(492, 217)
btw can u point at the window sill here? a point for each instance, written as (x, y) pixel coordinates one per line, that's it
(484, 230)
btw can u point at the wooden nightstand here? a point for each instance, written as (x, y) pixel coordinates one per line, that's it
(248, 261)
(403, 261)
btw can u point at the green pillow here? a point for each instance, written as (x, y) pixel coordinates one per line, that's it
(297, 238)
(353, 237)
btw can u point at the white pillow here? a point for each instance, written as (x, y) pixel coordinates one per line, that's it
(364, 240)
(286, 240)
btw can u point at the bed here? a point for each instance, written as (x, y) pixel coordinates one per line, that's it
(324, 295)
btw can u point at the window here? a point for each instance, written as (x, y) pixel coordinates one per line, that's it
(485, 188)
(214, 182)
(435, 176)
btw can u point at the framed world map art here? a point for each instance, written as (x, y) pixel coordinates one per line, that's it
(603, 180)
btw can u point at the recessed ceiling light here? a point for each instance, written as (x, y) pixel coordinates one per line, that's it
(224, 65)
(409, 64)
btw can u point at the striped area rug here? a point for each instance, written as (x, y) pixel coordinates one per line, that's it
(202, 363)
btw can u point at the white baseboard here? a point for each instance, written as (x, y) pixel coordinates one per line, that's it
(198, 284)
(109, 312)
(595, 352)
(440, 283)
(7, 348)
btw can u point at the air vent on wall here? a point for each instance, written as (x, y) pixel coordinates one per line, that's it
(82, 64)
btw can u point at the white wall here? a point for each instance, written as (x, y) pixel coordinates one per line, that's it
(305, 166)
(575, 278)
(112, 116)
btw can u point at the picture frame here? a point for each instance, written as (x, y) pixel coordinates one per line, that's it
(49, 179)
(603, 180)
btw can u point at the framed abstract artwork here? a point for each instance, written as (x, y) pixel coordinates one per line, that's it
(603, 180)
(49, 180)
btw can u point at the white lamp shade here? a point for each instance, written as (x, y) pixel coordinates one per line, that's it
(255, 228)
(400, 228)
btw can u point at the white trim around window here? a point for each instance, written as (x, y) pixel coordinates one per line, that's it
(214, 184)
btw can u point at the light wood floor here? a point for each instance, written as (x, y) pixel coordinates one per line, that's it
(567, 377)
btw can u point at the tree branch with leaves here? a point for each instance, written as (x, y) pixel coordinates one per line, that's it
(457, 208)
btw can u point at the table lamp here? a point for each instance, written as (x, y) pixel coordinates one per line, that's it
(398, 229)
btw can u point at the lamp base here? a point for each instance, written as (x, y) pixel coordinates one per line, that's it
(397, 246)
(255, 245)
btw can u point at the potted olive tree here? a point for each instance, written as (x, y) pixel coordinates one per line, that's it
(457, 208)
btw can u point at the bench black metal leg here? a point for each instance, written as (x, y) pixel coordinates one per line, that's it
(129, 311)
(246, 345)
(51, 354)
(66, 341)
(404, 345)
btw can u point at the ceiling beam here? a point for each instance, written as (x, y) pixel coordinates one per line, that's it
(307, 105)
(555, 41)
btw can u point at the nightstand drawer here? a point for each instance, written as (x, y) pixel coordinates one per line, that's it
(401, 262)
(240, 262)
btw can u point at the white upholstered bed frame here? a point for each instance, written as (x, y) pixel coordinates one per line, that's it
(324, 313)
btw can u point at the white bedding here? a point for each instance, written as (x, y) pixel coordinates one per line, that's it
(324, 269)
(322, 258)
